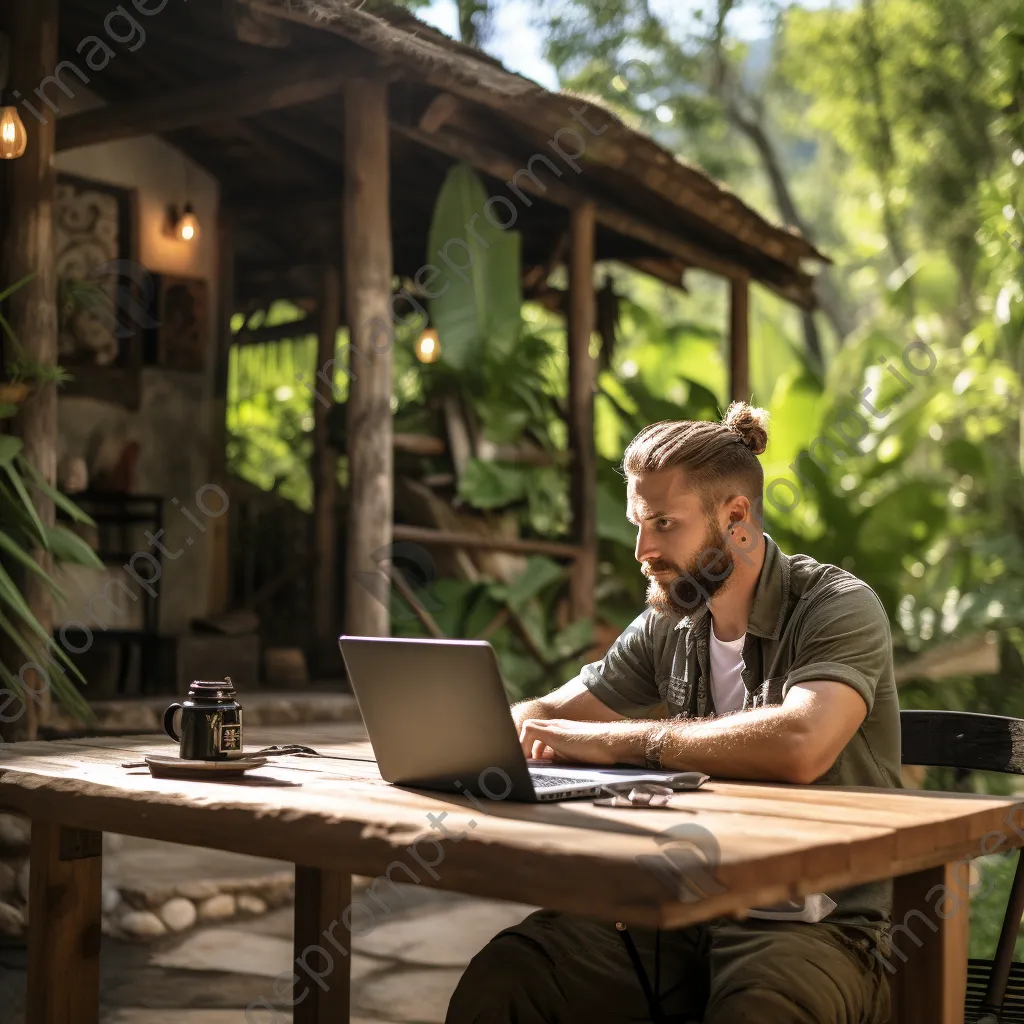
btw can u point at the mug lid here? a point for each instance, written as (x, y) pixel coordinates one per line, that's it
(218, 688)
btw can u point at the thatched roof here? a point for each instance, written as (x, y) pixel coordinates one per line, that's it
(282, 171)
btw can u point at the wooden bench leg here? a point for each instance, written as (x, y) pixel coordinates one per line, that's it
(64, 925)
(927, 961)
(322, 946)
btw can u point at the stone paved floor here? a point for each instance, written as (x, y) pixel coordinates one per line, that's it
(404, 970)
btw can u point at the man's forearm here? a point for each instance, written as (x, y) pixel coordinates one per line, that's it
(535, 708)
(573, 701)
(767, 744)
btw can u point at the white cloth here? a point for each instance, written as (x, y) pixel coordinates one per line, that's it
(727, 691)
(811, 909)
(727, 687)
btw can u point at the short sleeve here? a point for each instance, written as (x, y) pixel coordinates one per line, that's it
(624, 679)
(844, 638)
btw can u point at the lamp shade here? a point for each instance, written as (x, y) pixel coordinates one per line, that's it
(13, 137)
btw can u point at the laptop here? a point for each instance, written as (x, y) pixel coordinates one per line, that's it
(438, 718)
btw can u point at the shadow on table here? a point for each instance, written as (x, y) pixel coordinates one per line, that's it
(646, 821)
(245, 781)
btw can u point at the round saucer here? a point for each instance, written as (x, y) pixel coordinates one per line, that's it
(176, 767)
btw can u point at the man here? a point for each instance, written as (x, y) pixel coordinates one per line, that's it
(770, 667)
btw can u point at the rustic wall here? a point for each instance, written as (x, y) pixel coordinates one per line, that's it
(173, 425)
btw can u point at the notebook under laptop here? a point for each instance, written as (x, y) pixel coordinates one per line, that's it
(438, 718)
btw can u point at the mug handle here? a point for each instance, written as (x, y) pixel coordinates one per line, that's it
(169, 722)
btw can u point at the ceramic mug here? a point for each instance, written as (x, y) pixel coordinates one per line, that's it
(211, 722)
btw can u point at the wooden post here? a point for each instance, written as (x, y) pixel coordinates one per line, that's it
(325, 471)
(739, 340)
(32, 310)
(64, 925)
(582, 376)
(927, 962)
(219, 595)
(368, 270)
(323, 971)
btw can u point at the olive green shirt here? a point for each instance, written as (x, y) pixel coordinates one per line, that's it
(809, 622)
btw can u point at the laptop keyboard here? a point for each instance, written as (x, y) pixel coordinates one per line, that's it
(542, 781)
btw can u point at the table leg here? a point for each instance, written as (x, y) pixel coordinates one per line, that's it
(927, 961)
(64, 925)
(322, 941)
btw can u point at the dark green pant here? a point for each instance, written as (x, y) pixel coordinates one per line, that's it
(559, 969)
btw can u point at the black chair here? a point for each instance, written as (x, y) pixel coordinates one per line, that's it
(988, 743)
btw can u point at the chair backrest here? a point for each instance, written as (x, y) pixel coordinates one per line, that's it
(962, 739)
(988, 743)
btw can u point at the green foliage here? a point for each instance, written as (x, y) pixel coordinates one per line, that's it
(20, 368)
(270, 412)
(22, 532)
(989, 906)
(478, 308)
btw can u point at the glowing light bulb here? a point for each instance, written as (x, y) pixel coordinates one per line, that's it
(13, 137)
(428, 346)
(188, 226)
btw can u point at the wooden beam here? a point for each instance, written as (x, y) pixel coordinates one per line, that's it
(739, 340)
(222, 344)
(255, 27)
(286, 85)
(669, 270)
(64, 893)
(440, 110)
(322, 989)
(419, 444)
(279, 332)
(456, 539)
(219, 538)
(582, 377)
(368, 270)
(325, 475)
(32, 309)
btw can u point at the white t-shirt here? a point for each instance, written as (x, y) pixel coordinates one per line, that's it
(727, 687)
(727, 691)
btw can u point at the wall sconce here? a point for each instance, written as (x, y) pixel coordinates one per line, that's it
(183, 226)
(428, 346)
(13, 137)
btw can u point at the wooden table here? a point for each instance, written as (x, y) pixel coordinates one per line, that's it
(335, 818)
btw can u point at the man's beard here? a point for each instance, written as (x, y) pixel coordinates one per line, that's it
(702, 577)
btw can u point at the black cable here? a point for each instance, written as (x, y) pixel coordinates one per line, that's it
(652, 1000)
(657, 964)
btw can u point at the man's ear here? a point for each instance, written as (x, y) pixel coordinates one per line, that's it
(739, 510)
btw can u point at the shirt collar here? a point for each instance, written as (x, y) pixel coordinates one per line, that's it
(770, 596)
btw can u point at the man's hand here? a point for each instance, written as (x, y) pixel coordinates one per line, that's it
(560, 739)
(571, 701)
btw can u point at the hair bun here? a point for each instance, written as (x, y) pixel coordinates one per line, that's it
(750, 423)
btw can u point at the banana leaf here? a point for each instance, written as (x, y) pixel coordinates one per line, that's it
(481, 292)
